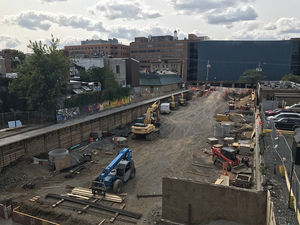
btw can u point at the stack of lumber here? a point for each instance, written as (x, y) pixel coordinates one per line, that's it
(88, 193)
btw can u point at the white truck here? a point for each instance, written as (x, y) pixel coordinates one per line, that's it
(165, 108)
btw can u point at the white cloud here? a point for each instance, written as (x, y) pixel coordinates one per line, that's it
(222, 12)
(8, 42)
(34, 20)
(284, 28)
(50, 1)
(270, 26)
(127, 10)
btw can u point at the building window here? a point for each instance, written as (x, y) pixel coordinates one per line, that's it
(116, 47)
(116, 53)
(91, 47)
(112, 47)
(117, 69)
(106, 47)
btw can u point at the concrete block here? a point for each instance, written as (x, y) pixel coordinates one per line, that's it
(244, 149)
(227, 141)
(212, 141)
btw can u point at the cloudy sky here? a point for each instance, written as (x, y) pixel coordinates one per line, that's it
(74, 20)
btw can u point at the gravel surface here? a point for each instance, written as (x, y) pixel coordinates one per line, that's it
(181, 142)
(277, 185)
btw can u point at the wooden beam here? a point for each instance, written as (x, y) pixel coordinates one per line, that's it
(116, 214)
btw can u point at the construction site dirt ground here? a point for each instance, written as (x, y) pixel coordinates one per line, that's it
(181, 143)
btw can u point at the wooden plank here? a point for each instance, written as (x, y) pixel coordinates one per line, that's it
(102, 222)
(116, 214)
(253, 134)
(85, 207)
(78, 196)
(57, 203)
(62, 163)
(219, 181)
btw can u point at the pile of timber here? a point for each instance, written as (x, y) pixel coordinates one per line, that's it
(97, 206)
(84, 192)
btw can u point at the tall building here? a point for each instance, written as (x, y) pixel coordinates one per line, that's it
(229, 59)
(99, 49)
(164, 48)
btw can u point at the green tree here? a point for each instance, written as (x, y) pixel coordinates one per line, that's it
(15, 53)
(252, 76)
(41, 76)
(103, 75)
(291, 77)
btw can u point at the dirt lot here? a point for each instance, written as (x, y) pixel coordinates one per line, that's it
(181, 142)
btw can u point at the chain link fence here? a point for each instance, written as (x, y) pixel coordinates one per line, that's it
(27, 117)
(283, 146)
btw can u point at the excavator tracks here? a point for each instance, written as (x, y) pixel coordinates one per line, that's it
(152, 135)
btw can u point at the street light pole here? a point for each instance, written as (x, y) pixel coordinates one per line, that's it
(207, 67)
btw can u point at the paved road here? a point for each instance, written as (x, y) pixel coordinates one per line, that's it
(34, 133)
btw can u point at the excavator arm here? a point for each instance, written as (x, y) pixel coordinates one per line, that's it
(154, 107)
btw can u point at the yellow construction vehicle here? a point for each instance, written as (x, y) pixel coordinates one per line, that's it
(181, 100)
(173, 104)
(151, 127)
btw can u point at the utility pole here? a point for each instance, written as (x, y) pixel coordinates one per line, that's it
(259, 69)
(207, 67)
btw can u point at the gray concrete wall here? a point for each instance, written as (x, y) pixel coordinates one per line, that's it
(211, 202)
(121, 75)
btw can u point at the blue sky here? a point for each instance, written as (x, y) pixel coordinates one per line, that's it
(74, 20)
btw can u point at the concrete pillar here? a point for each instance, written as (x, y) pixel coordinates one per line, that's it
(221, 84)
(232, 85)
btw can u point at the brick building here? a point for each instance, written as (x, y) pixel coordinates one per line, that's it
(167, 47)
(99, 49)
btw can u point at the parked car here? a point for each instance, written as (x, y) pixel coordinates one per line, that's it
(283, 115)
(287, 123)
(295, 107)
(277, 111)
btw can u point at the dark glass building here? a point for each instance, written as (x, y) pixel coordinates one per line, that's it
(296, 56)
(192, 63)
(229, 59)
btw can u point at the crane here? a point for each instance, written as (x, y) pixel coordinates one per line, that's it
(119, 171)
(151, 127)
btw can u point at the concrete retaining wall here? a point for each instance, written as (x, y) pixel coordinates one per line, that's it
(70, 135)
(211, 202)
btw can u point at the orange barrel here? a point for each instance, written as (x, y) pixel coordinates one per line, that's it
(91, 140)
(116, 140)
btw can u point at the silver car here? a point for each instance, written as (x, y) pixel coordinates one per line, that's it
(283, 115)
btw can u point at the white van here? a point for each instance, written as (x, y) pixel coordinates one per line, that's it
(165, 108)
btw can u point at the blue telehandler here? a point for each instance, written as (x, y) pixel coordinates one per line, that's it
(118, 172)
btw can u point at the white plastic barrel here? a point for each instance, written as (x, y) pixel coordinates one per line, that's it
(218, 132)
(226, 129)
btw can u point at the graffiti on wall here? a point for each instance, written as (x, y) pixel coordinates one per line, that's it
(91, 108)
(67, 113)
